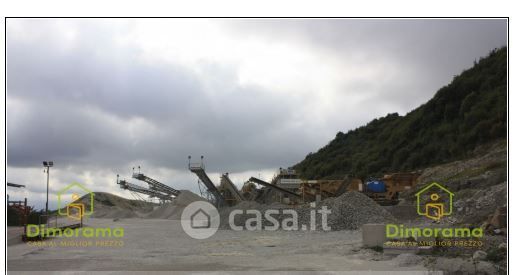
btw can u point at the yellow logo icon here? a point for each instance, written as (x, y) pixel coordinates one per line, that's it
(76, 209)
(434, 201)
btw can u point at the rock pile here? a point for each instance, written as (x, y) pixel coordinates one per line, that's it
(474, 206)
(348, 211)
(353, 209)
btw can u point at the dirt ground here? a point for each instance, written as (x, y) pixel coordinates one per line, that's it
(161, 245)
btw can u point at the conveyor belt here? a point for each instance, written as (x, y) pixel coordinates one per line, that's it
(202, 175)
(279, 189)
(233, 189)
(156, 185)
(139, 189)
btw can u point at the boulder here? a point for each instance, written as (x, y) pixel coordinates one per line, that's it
(479, 255)
(499, 218)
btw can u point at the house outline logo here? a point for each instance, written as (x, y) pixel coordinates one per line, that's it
(200, 222)
(434, 205)
(74, 210)
(200, 219)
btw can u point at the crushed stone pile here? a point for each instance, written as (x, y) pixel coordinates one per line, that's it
(348, 212)
(353, 209)
(240, 219)
(108, 205)
(174, 209)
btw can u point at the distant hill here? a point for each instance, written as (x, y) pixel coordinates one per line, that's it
(470, 111)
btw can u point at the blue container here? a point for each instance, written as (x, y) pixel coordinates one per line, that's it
(375, 186)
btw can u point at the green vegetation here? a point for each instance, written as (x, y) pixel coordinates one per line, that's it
(470, 111)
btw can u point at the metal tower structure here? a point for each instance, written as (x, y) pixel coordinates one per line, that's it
(199, 170)
(163, 197)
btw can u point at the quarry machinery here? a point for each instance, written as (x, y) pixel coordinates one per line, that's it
(156, 185)
(199, 170)
(229, 191)
(21, 208)
(290, 188)
(288, 195)
(328, 188)
(163, 197)
(249, 191)
(310, 190)
(385, 190)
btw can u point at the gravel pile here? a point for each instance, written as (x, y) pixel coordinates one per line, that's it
(348, 211)
(240, 219)
(174, 209)
(108, 205)
(111, 206)
(353, 209)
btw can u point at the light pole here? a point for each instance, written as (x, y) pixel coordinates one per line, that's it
(47, 165)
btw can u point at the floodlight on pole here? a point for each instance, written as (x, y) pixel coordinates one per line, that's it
(47, 165)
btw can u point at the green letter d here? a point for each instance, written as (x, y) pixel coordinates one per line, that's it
(389, 233)
(31, 227)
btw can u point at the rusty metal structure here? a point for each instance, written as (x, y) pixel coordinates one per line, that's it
(22, 209)
(328, 188)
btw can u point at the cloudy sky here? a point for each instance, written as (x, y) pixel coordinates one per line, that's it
(100, 96)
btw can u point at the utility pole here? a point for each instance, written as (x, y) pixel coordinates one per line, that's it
(47, 185)
(47, 165)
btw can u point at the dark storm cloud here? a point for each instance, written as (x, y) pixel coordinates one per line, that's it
(93, 104)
